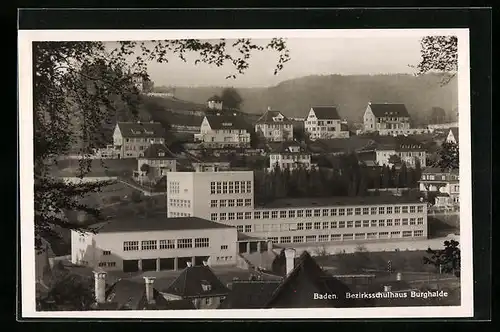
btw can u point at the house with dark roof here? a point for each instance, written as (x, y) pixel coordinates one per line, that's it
(127, 294)
(304, 284)
(154, 243)
(452, 135)
(290, 155)
(443, 184)
(223, 131)
(390, 150)
(325, 122)
(199, 285)
(215, 103)
(155, 162)
(274, 126)
(131, 139)
(390, 119)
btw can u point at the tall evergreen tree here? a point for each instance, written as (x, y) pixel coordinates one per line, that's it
(403, 176)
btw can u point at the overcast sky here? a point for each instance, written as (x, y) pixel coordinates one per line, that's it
(346, 56)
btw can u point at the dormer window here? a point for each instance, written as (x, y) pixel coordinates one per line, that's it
(205, 285)
(161, 154)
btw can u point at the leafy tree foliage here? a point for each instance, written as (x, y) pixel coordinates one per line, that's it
(347, 178)
(447, 259)
(78, 87)
(437, 115)
(145, 168)
(231, 98)
(439, 54)
(68, 292)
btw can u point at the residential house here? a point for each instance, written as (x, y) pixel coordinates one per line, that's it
(405, 149)
(452, 135)
(200, 285)
(274, 126)
(220, 131)
(159, 160)
(444, 183)
(304, 285)
(125, 294)
(291, 156)
(386, 116)
(211, 165)
(132, 138)
(324, 122)
(215, 103)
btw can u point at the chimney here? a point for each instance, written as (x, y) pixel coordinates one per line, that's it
(387, 288)
(290, 259)
(100, 286)
(268, 108)
(148, 281)
(189, 264)
(398, 276)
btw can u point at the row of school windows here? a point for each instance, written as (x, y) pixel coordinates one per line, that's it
(310, 213)
(345, 237)
(178, 214)
(231, 187)
(166, 244)
(331, 225)
(230, 202)
(180, 203)
(174, 187)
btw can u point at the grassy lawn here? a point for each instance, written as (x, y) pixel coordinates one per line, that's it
(107, 167)
(402, 261)
(442, 225)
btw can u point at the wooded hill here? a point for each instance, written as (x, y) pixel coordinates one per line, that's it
(350, 93)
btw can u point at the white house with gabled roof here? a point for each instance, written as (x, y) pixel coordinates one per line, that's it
(324, 122)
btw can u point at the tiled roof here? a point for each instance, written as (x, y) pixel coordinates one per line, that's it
(399, 143)
(326, 112)
(141, 129)
(249, 294)
(190, 281)
(158, 151)
(218, 122)
(269, 115)
(454, 131)
(283, 147)
(437, 170)
(156, 223)
(276, 293)
(389, 110)
(131, 295)
(338, 201)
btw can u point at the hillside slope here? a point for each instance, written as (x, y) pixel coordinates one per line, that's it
(350, 93)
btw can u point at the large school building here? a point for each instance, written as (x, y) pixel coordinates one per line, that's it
(228, 198)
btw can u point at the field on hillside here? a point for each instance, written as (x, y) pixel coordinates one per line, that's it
(106, 167)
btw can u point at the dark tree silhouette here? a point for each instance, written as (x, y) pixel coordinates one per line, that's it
(448, 156)
(447, 259)
(437, 115)
(231, 98)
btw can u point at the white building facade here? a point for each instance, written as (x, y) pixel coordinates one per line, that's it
(291, 158)
(155, 245)
(274, 127)
(291, 222)
(223, 131)
(323, 122)
(130, 139)
(445, 183)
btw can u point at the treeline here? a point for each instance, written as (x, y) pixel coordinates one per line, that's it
(351, 178)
